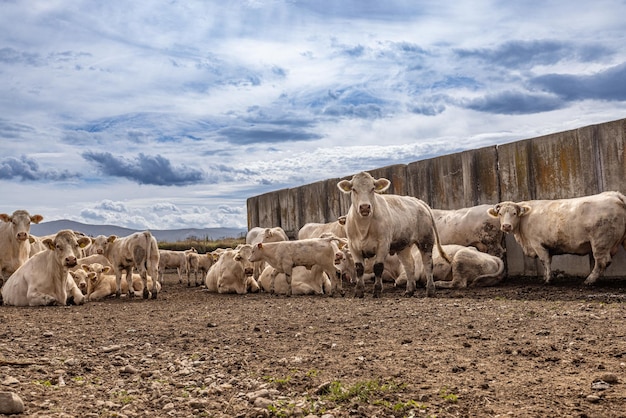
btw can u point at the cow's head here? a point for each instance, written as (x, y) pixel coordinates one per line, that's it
(66, 246)
(244, 252)
(100, 244)
(20, 222)
(362, 188)
(94, 271)
(509, 214)
(81, 277)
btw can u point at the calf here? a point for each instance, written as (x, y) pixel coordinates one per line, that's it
(316, 230)
(228, 274)
(14, 243)
(136, 251)
(377, 225)
(101, 285)
(171, 259)
(284, 255)
(593, 224)
(258, 234)
(43, 279)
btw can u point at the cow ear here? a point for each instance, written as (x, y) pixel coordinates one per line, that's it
(5, 217)
(493, 211)
(341, 220)
(524, 210)
(260, 245)
(345, 186)
(106, 269)
(31, 239)
(112, 238)
(83, 242)
(381, 185)
(48, 242)
(84, 267)
(92, 275)
(36, 219)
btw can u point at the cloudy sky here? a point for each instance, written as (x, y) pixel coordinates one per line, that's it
(170, 114)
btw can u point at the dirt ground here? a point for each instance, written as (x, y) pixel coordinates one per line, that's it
(521, 349)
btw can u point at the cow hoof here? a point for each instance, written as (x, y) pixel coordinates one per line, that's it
(154, 295)
(118, 294)
(408, 294)
(358, 295)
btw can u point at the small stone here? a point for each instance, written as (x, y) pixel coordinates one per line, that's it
(211, 325)
(593, 398)
(111, 348)
(600, 385)
(128, 370)
(262, 402)
(10, 380)
(10, 403)
(609, 378)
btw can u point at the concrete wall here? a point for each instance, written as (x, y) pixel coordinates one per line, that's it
(574, 163)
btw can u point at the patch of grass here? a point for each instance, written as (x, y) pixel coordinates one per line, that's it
(123, 397)
(448, 396)
(45, 383)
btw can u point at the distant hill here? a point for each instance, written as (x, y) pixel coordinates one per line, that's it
(165, 235)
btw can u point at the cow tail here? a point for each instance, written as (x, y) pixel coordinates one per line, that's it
(492, 276)
(443, 254)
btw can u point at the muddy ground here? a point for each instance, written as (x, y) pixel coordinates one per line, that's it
(521, 349)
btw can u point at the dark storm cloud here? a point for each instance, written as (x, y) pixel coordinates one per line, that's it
(526, 54)
(514, 103)
(606, 85)
(27, 169)
(145, 169)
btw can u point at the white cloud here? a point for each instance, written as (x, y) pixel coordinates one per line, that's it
(170, 114)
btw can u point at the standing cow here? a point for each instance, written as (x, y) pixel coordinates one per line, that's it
(593, 224)
(14, 242)
(377, 225)
(136, 251)
(258, 234)
(44, 278)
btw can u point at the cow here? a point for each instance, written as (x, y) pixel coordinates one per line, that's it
(228, 274)
(43, 279)
(136, 251)
(14, 243)
(593, 224)
(171, 259)
(316, 230)
(303, 281)
(79, 275)
(101, 285)
(469, 268)
(284, 255)
(378, 224)
(193, 266)
(471, 226)
(258, 234)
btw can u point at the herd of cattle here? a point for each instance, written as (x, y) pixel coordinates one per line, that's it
(397, 239)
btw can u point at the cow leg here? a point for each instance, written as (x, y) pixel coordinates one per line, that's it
(288, 278)
(118, 281)
(427, 265)
(406, 258)
(546, 260)
(359, 288)
(601, 262)
(273, 280)
(40, 299)
(378, 278)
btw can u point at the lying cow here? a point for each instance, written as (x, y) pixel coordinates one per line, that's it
(101, 285)
(377, 225)
(14, 243)
(285, 255)
(228, 274)
(43, 279)
(593, 224)
(469, 268)
(303, 281)
(136, 251)
(470, 227)
(80, 276)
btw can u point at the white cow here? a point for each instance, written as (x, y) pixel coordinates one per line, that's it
(593, 224)
(378, 225)
(101, 285)
(193, 266)
(469, 268)
(303, 281)
(285, 255)
(14, 244)
(258, 234)
(43, 279)
(171, 259)
(80, 276)
(470, 227)
(136, 251)
(228, 274)
(316, 230)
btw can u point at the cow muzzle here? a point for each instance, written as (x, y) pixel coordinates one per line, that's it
(22, 236)
(70, 261)
(365, 209)
(506, 228)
